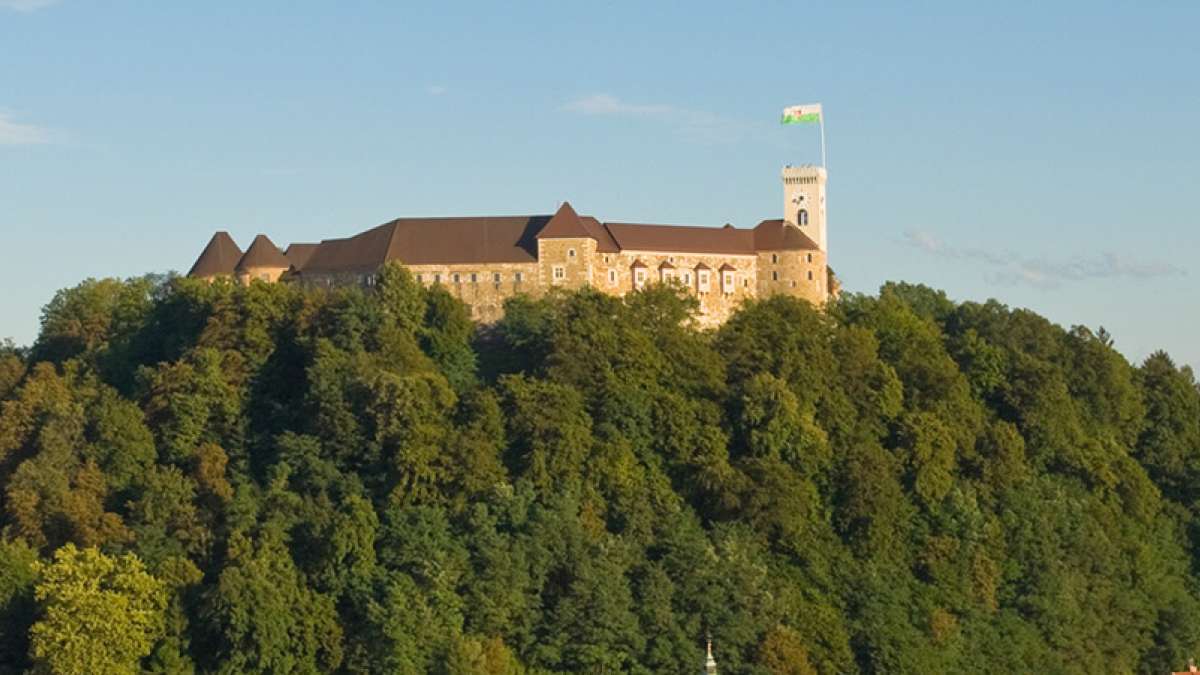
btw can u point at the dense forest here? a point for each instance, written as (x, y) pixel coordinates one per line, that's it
(214, 478)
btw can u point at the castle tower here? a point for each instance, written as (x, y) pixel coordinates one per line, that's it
(804, 201)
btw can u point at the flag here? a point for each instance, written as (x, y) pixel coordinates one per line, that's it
(802, 114)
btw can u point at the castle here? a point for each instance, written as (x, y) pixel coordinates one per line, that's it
(484, 260)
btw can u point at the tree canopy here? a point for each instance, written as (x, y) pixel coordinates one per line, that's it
(215, 478)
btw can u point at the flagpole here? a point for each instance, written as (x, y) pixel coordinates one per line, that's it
(821, 121)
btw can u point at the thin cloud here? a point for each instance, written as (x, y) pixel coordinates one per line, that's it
(15, 133)
(437, 89)
(1044, 272)
(26, 5)
(696, 125)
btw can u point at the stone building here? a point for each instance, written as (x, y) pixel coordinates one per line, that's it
(487, 259)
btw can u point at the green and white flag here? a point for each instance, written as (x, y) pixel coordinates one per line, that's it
(802, 114)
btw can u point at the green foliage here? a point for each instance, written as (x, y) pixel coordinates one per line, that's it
(98, 614)
(362, 480)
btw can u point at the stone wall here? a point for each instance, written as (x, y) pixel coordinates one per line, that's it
(716, 302)
(798, 273)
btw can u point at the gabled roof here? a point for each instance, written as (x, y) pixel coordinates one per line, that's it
(701, 266)
(219, 257)
(682, 239)
(263, 253)
(666, 265)
(604, 241)
(432, 241)
(565, 224)
(778, 235)
(638, 263)
(298, 254)
(727, 268)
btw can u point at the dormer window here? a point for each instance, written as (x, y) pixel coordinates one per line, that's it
(639, 277)
(667, 275)
(802, 217)
(727, 282)
(702, 281)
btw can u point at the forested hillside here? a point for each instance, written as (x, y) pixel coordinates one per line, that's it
(211, 478)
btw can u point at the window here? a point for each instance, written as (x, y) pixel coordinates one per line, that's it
(810, 275)
(419, 279)
(474, 278)
(612, 276)
(457, 278)
(519, 277)
(809, 257)
(774, 258)
(671, 259)
(774, 276)
(793, 283)
(639, 277)
(745, 283)
(727, 282)
(570, 253)
(560, 273)
(687, 278)
(437, 278)
(667, 275)
(702, 280)
(496, 277)
(802, 217)
(606, 259)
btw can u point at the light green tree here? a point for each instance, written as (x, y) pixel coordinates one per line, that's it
(99, 614)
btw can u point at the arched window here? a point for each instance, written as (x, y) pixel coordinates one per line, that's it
(802, 217)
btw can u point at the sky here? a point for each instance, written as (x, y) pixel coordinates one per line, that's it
(1042, 154)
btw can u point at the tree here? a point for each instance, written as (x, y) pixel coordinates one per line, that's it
(98, 614)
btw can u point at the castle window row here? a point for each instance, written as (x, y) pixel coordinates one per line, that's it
(455, 277)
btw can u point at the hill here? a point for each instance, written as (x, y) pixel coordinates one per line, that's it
(214, 478)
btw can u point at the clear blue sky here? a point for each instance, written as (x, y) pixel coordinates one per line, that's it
(1045, 155)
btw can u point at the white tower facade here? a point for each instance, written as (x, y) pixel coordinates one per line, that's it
(804, 201)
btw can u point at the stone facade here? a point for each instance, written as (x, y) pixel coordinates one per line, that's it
(722, 268)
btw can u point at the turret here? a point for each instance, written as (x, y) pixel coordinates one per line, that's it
(804, 201)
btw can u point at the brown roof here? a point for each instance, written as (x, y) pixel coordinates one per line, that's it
(727, 268)
(565, 224)
(682, 239)
(604, 241)
(433, 241)
(263, 253)
(777, 235)
(666, 265)
(219, 257)
(702, 266)
(638, 263)
(298, 254)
